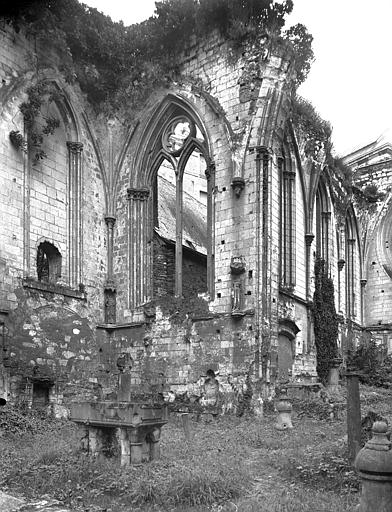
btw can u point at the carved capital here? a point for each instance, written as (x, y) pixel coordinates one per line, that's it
(351, 241)
(210, 170)
(110, 220)
(309, 237)
(140, 194)
(75, 147)
(262, 153)
(110, 285)
(363, 282)
(341, 263)
(289, 174)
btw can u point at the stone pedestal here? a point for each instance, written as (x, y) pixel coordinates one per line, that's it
(284, 408)
(129, 429)
(374, 465)
(333, 376)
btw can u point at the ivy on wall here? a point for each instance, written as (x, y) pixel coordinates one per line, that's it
(325, 320)
(116, 65)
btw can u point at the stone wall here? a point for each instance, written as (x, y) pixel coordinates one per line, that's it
(92, 197)
(50, 326)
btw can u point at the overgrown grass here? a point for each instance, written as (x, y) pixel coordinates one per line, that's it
(230, 464)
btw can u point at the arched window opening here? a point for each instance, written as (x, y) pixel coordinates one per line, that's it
(173, 175)
(323, 219)
(48, 263)
(287, 215)
(194, 226)
(179, 198)
(350, 249)
(182, 204)
(164, 205)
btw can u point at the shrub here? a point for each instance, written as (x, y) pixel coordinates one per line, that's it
(325, 320)
(374, 366)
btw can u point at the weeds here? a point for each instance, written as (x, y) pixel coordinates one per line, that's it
(229, 464)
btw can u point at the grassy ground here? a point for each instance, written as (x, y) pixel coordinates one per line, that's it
(229, 464)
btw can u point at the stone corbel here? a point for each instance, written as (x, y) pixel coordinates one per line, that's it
(237, 265)
(238, 184)
(341, 263)
(309, 237)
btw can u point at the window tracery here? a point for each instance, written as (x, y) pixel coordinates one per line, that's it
(172, 149)
(287, 235)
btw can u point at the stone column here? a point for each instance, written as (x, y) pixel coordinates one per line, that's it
(374, 465)
(74, 212)
(136, 446)
(326, 221)
(179, 223)
(139, 250)
(353, 413)
(350, 309)
(333, 375)
(263, 173)
(94, 441)
(210, 175)
(154, 439)
(110, 288)
(125, 449)
(309, 237)
(363, 285)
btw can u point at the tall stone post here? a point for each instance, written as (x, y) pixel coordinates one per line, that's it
(74, 200)
(154, 438)
(353, 414)
(284, 408)
(374, 465)
(309, 237)
(333, 375)
(125, 447)
(136, 438)
(110, 288)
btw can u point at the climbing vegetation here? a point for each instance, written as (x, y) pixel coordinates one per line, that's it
(114, 64)
(325, 320)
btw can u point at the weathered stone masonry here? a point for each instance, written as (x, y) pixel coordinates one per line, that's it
(242, 309)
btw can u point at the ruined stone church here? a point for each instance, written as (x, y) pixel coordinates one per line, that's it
(178, 243)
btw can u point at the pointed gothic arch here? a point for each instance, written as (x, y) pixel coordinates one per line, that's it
(67, 152)
(353, 265)
(322, 221)
(174, 132)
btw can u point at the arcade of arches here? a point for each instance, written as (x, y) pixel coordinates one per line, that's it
(179, 244)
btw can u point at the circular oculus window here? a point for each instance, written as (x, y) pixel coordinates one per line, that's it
(177, 133)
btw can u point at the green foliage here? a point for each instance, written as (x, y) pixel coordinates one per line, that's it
(21, 420)
(316, 130)
(367, 196)
(338, 167)
(18, 141)
(301, 42)
(328, 472)
(115, 64)
(370, 359)
(242, 461)
(325, 320)
(31, 109)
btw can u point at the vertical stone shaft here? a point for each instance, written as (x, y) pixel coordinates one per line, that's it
(179, 223)
(210, 175)
(74, 215)
(353, 415)
(110, 222)
(139, 260)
